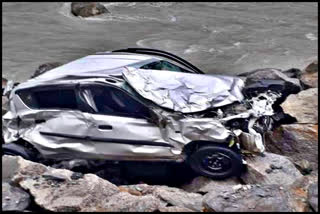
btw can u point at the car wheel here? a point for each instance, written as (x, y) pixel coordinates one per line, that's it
(216, 162)
(17, 150)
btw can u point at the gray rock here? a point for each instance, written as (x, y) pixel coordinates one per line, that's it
(296, 141)
(14, 198)
(310, 75)
(125, 202)
(303, 106)
(170, 195)
(87, 9)
(203, 184)
(253, 198)
(313, 196)
(45, 67)
(65, 195)
(15, 169)
(175, 209)
(180, 198)
(293, 73)
(283, 171)
(272, 74)
(77, 195)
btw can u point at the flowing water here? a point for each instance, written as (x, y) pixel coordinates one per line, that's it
(227, 38)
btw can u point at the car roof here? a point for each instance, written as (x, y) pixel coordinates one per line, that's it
(102, 61)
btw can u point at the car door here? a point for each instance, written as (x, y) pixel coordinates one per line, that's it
(120, 126)
(53, 122)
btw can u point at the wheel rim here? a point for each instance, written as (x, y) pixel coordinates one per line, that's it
(216, 162)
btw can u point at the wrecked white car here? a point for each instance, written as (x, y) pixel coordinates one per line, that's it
(137, 104)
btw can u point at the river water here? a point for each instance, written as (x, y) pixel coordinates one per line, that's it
(226, 38)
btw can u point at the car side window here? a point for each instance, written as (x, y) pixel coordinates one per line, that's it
(113, 101)
(164, 65)
(50, 99)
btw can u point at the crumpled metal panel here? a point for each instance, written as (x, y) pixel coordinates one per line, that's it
(185, 92)
(77, 124)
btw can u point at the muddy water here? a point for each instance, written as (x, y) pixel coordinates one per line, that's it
(224, 38)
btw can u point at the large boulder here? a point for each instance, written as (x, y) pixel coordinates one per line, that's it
(270, 169)
(296, 141)
(310, 75)
(202, 184)
(45, 67)
(313, 196)
(272, 74)
(248, 198)
(14, 198)
(303, 106)
(87, 9)
(58, 189)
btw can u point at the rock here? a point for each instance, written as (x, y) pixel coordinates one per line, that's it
(87, 9)
(312, 67)
(313, 196)
(310, 75)
(45, 67)
(62, 195)
(298, 194)
(54, 176)
(310, 80)
(15, 169)
(293, 73)
(175, 209)
(296, 141)
(14, 198)
(272, 74)
(303, 166)
(90, 192)
(170, 195)
(302, 106)
(262, 198)
(283, 172)
(125, 202)
(203, 184)
(180, 198)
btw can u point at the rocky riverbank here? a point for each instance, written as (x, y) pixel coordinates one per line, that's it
(284, 178)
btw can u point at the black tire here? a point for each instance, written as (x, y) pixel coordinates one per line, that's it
(216, 162)
(17, 150)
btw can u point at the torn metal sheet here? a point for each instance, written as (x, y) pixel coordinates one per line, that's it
(185, 92)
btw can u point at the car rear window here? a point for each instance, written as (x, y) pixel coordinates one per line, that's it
(48, 99)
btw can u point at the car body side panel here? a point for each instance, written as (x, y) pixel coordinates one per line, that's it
(61, 124)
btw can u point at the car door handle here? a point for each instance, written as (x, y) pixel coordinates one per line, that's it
(105, 127)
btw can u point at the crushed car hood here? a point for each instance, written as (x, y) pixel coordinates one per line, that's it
(185, 92)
